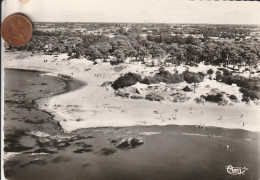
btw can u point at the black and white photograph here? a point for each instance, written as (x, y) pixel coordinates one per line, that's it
(132, 90)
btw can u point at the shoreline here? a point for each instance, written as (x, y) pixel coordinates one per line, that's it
(84, 108)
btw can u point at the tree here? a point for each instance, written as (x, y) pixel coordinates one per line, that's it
(176, 54)
(103, 48)
(251, 59)
(193, 53)
(119, 54)
(93, 53)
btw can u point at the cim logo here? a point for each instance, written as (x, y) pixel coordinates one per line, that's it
(236, 170)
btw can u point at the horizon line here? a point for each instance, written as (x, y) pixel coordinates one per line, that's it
(96, 22)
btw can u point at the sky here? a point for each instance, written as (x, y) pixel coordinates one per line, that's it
(139, 11)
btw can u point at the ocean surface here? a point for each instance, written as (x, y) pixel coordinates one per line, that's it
(42, 151)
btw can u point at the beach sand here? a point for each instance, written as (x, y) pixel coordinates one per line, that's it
(97, 106)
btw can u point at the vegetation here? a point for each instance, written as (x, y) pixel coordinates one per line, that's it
(250, 87)
(154, 41)
(214, 98)
(192, 77)
(233, 97)
(225, 45)
(164, 76)
(128, 79)
(154, 97)
(210, 71)
(249, 94)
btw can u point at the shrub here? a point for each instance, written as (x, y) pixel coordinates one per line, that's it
(136, 97)
(223, 102)
(252, 84)
(238, 80)
(146, 80)
(226, 72)
(214, 98)
(199, 101)
(201, 74)
(107, 83)
(245, 99)
(233, 97)
(122, 94)
(128, 79)
(210, 71)
(70, 53)
(114, 63)
(154, 97)
(119, 68)
(164, 76)
(218, 75)
(202, 96)
(192, 77)
(253, 95)
(250, 87)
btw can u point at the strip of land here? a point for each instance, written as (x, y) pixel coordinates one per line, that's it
(95, 105)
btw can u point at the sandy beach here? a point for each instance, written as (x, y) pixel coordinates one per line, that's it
(35, 143)
(96, 106)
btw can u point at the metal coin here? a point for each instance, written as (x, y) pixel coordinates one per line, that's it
(16, 30)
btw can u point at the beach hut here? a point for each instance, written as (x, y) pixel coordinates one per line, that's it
(134, 90)
(139, 88)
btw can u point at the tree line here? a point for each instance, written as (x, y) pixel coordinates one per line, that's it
(162, 45)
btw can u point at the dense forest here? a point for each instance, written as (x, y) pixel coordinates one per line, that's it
(160, 43)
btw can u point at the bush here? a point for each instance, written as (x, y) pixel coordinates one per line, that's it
(70, 53)
(226, 72)
(223, 102)
(154, 97)
(238, 80)
(146, 80)
(245, 99)
(210, 71)
(252, 84)
(122, 94)
(128, 79)
(201, 74)
(136, 97)
(192, 77)
(218, 75)
(247, 94)
(214, 98)
(233, 97)
(250, 87)
(164, 76)
(199, 101)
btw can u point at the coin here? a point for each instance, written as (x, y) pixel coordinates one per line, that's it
(16, 30)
